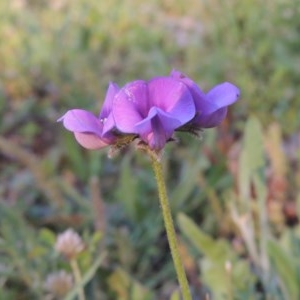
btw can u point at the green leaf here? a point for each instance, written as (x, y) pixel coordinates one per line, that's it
(187, 183)
(216, 254)
(96, 238)
(127, 190)
(126, 287)
(252, 157)
(47, 236)
(286, 270)
(216, 250)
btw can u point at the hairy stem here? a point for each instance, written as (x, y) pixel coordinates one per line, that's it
(168, 221)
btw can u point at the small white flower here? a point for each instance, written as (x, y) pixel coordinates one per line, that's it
(59, 283)
(69, 244)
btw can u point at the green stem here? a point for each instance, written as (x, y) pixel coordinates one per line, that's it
(228, 268)
(164, 203)
(78, 279)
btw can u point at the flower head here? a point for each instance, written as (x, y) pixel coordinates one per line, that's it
(90, 131)
(69, 244)
(211, 107)
(59, 283)
(150, 111)
(153, 109)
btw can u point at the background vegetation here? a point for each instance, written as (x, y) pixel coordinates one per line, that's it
(235, 194)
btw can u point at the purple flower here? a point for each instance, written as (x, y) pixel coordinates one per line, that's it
(153, 109)
(150, 111)
(211, 108)
(90, 131)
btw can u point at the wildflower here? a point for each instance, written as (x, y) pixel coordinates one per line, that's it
(69, 244)
(153, 109)
(59, 283)
(211, 108)
(90, 131)
(150, 111)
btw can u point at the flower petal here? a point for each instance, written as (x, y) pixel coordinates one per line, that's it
(223, 94)
(89, 140)
(79, 120)
(130, 106)
(202, 104)
(211, 120)
(108, 102)
(108, 124)
(211, 108)
(172, 96)
(215, 108)
(157, 128)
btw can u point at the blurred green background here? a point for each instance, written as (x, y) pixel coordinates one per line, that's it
(235, 194)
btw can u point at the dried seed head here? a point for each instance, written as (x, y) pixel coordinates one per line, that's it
(69, 244)
(59, 283)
